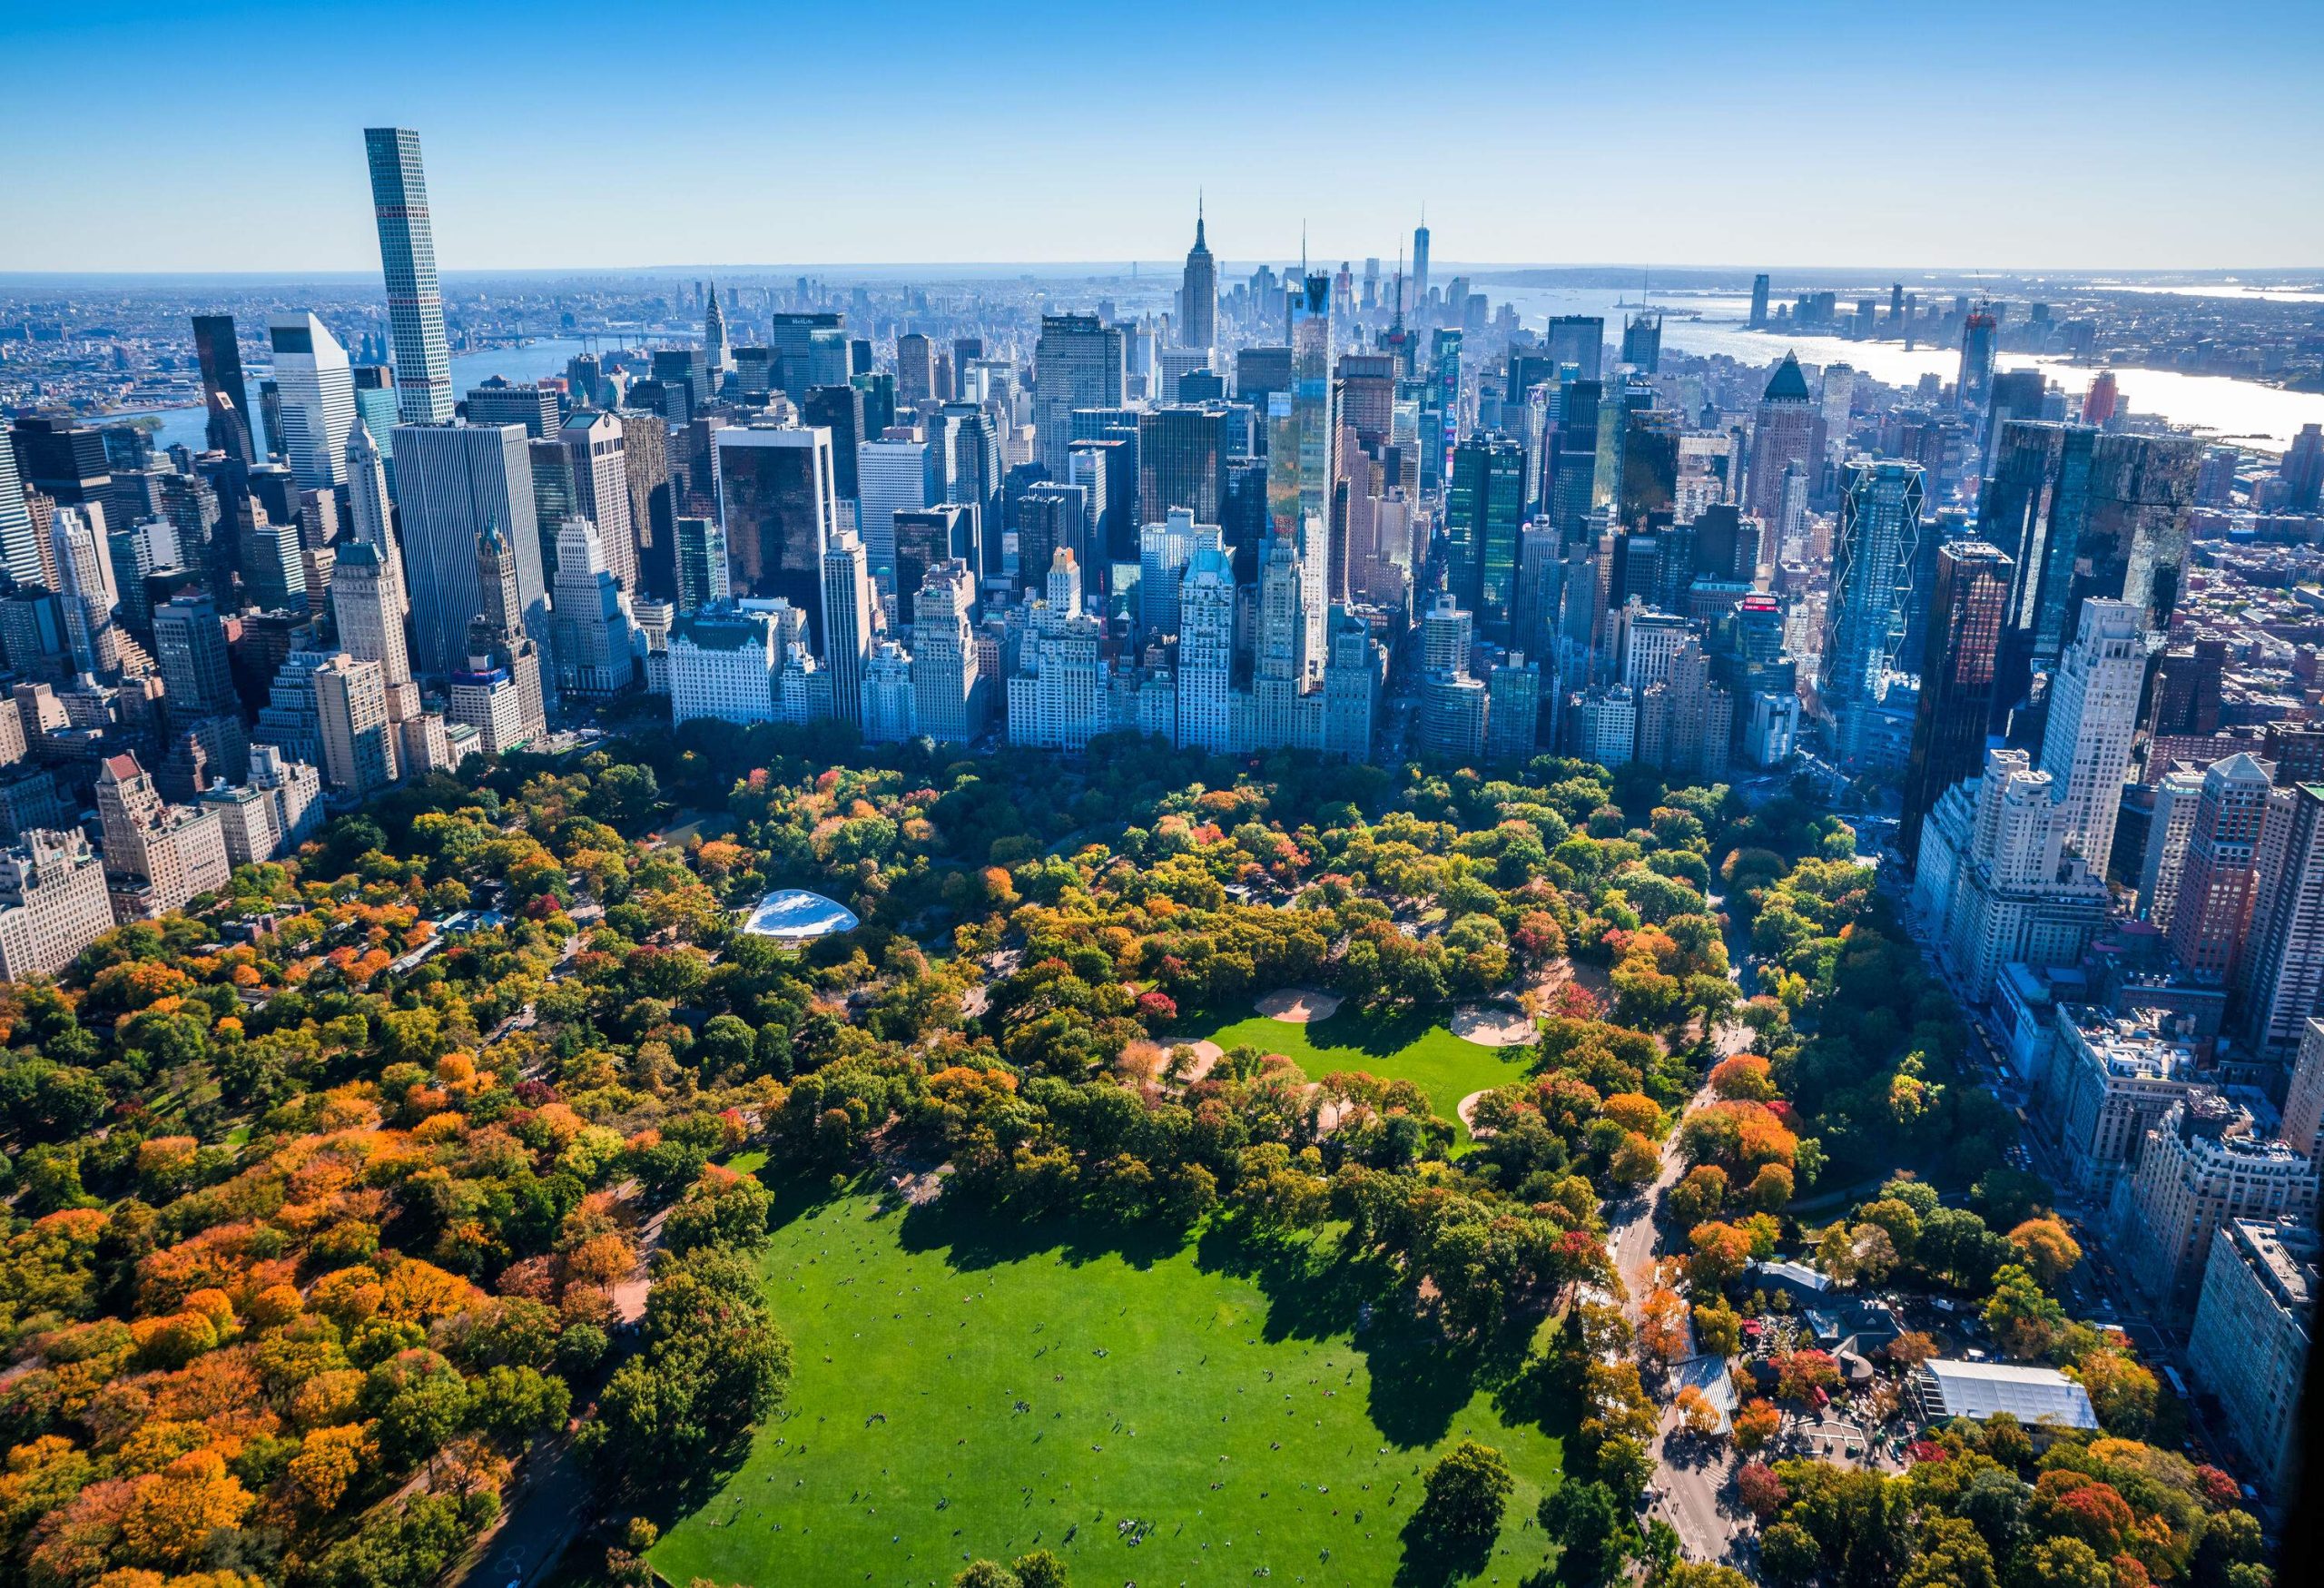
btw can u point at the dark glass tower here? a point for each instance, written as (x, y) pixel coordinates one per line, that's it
(1966, 607)
(223, 389)
(1484, 509)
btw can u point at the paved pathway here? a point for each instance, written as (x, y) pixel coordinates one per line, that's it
(1688, 1480)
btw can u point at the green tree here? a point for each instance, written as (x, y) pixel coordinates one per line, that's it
(1591, 1533)
(1465, 1492)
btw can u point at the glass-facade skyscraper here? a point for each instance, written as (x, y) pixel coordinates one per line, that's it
(1484, 509)
(1872, 558)
(408, 257)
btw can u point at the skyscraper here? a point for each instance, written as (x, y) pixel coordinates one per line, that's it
(594, 442)
(715, 352)
(498, 686)
(1980, 339)
(777, 502)
(915, 370)
(20, 551)
(459, 480)
(2210, 902)
(1198, 293)
(197, 672)
(2082, 515)
(1956, 675)
(1579, 339)
(367, 610)
(1759, 320)
(370, 515)
(948, 694)
(358, 743)
(592, 615)
(84, 587)
(1873, 557)
(1786, 429)
(2279, 976)
(702, 565)
(223, 389)
(847, 622)
(316, 388)
(1182, 456)
(2093, 715)
(408, 257)
(1420, 263)
(1484, 509)
(1077, 363)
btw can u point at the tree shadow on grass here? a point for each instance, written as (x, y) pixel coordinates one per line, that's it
(1435, 1556)
(798, 1191)
(972, 1237)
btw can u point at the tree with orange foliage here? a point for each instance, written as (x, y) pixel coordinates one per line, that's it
(1699, 1417)
(329, 1462)
(1747, 1077)
(172, 1512)
(1722, 1252)
(2051, 1252)
(1662, 1326)
(1633, 1111)
(1757, 1423)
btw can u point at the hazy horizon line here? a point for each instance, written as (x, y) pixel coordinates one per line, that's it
(1441, 270)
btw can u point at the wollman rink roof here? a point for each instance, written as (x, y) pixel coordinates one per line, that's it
(1976, 1390)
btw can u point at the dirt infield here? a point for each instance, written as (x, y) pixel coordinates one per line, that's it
(1299, 1006)
(1491, 1025)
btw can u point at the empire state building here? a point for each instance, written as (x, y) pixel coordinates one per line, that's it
(1198, 293)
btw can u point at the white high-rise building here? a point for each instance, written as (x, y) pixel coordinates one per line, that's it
(723, 663)
(889, 707)
(315, 387)
(1447, 632)
(1996, 884)
(86, 590)
(1207, 600)
(594, 442)
(52, 900)
(2176, 800)
(2094, 715)
(1602, 725)
(366, 607)
(890, 478)
(359, 742)
(948, 694)
(279, 809)
(1057, 698)
(594, 628)
(847, 621)
(371, 512)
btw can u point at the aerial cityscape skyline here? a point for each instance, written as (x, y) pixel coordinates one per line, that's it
(1343, 914)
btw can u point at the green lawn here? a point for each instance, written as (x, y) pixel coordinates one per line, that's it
(1442, 1065)
(1199, 1413)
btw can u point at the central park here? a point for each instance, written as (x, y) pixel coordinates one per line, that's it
(1157, 1408)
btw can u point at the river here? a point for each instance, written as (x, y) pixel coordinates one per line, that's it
(2263, 417)
(526, 361)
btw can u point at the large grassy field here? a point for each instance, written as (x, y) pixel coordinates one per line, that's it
(1203, 1412)
(1444, 1065)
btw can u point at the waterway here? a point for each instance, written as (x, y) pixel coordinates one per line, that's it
(2244, 412)
(520, 364)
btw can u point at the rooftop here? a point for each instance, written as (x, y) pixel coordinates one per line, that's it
(1979, 1390)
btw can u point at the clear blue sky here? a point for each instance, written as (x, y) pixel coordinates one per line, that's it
(219, 135)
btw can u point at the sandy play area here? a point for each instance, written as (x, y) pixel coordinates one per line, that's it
(1299, 1006)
